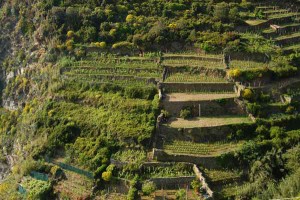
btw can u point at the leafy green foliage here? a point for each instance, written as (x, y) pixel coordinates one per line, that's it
(148, 187)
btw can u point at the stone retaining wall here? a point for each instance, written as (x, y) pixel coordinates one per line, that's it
(208, 108)
(173, 182)
(197, 87)
(198, 134)
(205, 161)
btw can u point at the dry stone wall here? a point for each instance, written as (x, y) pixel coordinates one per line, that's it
(207, 108)
(205, 161)
(194, 87)
(198, 134)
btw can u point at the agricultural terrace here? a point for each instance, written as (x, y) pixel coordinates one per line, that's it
(217, 175)
(207, 121)
(278, 23)
(179, 77)
(203, 149)
(119, 71)
(177, 97)
(74, 186)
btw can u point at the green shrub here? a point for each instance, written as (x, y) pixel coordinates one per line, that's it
(180, 194)
(254, 108)
(262, 131)
(185, 113)
(248, 94)
(196, 185)
(106, 176)
(148, 187)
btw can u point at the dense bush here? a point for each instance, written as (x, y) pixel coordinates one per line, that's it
(186, 113)
(148, 187)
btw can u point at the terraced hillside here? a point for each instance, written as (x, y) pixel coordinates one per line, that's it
(202, 113)
(149, 99)
(280, 24)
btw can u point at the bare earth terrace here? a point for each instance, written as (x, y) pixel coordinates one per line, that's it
(207, 121)
(178, 97)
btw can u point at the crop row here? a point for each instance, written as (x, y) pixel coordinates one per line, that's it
(112, 64)
(247, 64)
(221, 175)
(116, 71)
(193, 62)
(179, 77)
(199, 148)
(117, 80)
(116, 63)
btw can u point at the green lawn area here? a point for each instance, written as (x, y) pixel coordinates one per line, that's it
(269, 30)
(255, 22)
(211, 149)
(207, 121)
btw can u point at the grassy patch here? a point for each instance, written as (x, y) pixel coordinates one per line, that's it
(215, 175)
(247, 64)
(255, 22)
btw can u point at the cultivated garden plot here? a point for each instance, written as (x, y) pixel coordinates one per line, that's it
(219, 175)
(171, 195)
(111, 79)
(141, 72)
(74, 186)
(114, 64)
(201, 149)
(244, 65)
(179, 77)
(207, 121)
(194, 63)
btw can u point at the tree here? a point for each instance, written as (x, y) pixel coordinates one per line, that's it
(221, 11)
